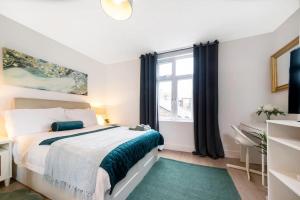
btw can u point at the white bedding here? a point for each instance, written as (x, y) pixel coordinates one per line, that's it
(28, 153)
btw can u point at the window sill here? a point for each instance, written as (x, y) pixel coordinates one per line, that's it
(176, 120)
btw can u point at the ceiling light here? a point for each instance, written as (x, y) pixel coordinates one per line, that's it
(117, 9)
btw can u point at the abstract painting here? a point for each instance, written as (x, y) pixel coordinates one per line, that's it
(23, 70)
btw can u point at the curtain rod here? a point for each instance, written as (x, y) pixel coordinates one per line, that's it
(186, 48)
(165, 52)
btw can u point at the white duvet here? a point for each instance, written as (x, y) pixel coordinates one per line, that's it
(28, 153)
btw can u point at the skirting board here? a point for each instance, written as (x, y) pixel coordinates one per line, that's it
(228, 153)
(176, 147)
(121, 191)
(232, 153)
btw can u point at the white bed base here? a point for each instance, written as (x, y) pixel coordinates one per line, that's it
(121, 191)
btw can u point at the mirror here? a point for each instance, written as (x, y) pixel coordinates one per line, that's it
(280, 64)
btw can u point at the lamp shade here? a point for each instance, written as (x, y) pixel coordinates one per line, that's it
(99, 110)
(100, 120)
(101, 115)
(117, 9)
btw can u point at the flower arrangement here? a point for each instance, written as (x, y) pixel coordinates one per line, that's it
(269, 110)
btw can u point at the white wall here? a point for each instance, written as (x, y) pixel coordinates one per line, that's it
(248, 58)
(123, 99)
(288, 31)
(123, 92)
(178, 136)
(244, 84)
(244, 80)
(18, 37)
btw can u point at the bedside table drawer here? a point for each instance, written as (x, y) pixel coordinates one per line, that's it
(4, 164)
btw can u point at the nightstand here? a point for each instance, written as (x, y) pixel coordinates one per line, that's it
(5, 160)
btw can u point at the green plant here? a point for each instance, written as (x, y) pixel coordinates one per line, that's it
(262, 136)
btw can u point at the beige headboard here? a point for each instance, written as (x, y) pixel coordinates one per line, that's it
(22, 103)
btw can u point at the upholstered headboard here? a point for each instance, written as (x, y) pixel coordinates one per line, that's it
(22, 103)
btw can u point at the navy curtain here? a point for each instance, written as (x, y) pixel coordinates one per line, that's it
(148, 96)
(205, 99)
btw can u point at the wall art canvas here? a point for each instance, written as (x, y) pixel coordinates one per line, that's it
(23, 70)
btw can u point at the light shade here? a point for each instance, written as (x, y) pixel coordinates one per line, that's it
(117, 9)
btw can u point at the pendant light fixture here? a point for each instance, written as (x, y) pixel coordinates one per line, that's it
(117, 9)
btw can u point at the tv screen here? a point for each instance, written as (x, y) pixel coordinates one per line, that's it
(294, 83)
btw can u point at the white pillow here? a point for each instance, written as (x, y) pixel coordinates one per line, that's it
(87, 116)
(27, 121)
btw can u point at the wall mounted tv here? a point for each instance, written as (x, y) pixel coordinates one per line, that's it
(294, 83)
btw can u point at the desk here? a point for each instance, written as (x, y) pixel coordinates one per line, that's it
(253, 127)
(250, 129)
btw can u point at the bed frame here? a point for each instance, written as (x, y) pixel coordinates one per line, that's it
(36, 181)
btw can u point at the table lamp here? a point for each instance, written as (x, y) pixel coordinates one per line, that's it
(101, 115)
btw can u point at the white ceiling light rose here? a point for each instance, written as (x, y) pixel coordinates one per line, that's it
(117, 9)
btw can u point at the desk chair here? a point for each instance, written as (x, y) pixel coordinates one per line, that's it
(242, 139)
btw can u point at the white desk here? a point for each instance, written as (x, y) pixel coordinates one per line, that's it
(251, 129)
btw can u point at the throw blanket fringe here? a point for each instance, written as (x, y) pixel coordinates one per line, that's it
(76, 192)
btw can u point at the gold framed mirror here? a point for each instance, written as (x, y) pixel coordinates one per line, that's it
(280, 66)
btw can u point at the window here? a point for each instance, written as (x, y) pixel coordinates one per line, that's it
(175, 87)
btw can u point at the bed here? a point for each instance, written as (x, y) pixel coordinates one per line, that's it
(30, 172)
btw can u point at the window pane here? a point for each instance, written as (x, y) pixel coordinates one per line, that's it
(184, 66)
(165, 99)
(184, 99)
(165, 69)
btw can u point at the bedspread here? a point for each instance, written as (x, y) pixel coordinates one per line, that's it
(72, 162)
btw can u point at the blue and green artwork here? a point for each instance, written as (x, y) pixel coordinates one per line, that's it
(23, 70)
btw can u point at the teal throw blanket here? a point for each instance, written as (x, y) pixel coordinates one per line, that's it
(119, 161)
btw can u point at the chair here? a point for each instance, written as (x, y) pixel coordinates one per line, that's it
(242, 139)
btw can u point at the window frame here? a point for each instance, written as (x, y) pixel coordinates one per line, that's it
(174, 83)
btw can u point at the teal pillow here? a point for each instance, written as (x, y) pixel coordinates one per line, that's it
(68, 125)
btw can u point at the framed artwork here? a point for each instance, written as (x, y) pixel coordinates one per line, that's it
(23, 70)
(280, 65)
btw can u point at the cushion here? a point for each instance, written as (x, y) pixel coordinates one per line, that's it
(87, 116)
(67, 125)
(27, 121)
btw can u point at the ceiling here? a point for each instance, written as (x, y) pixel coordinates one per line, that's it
(156, 25)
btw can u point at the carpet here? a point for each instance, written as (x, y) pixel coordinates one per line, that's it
(174, 180)
(21, 194)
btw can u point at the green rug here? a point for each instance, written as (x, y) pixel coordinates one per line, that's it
(22, 194)
(174, 180)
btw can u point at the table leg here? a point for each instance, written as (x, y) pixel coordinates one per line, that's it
(6, 182)
(262, 168)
